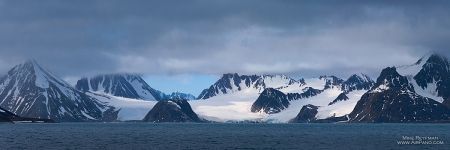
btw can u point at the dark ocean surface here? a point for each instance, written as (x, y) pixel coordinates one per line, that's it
(171, 136)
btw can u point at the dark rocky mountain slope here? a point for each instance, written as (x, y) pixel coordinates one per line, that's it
(28, 90)
(172, 111)
(393, 99)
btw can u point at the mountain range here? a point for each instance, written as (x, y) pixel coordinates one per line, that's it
(31, 91)
(419, 92)
(126, 85)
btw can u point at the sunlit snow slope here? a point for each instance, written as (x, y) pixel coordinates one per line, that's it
(129, 109)
(232, 96)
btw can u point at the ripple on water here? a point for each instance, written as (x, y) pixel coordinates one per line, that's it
(217, 136)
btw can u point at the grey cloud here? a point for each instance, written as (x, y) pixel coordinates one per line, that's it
(308, 38)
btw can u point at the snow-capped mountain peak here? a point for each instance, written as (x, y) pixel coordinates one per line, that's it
(435, 73)
(430, 76)
(270, 101)
(233, 82)
(41, 76)
(278, 98)
(393, 99)
(357, 82)
(359, 78)
(29, 90)
(229, 83)
(332, 81)
(123, 85)
(179, 95)
(390, 78)
(429, 59)
(279, 81)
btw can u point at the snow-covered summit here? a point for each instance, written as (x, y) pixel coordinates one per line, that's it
(391, 79)
(393, 99)
(180, 95)
(277, 98)
(358, 82)
(430, 76)
(233, 82)
(29, 90)
(123, 85)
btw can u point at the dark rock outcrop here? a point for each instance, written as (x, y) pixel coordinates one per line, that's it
(341, 97)
(7, 116)
(172, 111)
(270, 101)
(306, 115)
(273, 101)
(357, 82)
(307, 93)
(332, 119)
(447, 103)
(331, 81)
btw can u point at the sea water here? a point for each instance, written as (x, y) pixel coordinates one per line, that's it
(168, 136)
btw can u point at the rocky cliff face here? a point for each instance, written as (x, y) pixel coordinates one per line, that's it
(307, 114)
(270, 101)
(435, 73)
(172, 111)
(341, 97)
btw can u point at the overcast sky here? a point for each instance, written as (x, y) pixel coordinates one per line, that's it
(187, 40)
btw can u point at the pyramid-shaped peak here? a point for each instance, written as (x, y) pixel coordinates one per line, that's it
(330, 77)
(424, 58)
(31, 62)
(388, 73)
(358, 82)
(437, 59)
(432, 57)
(390, 78)
(37, 73)
(25, 66)
(230, 75)
(361, 77)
